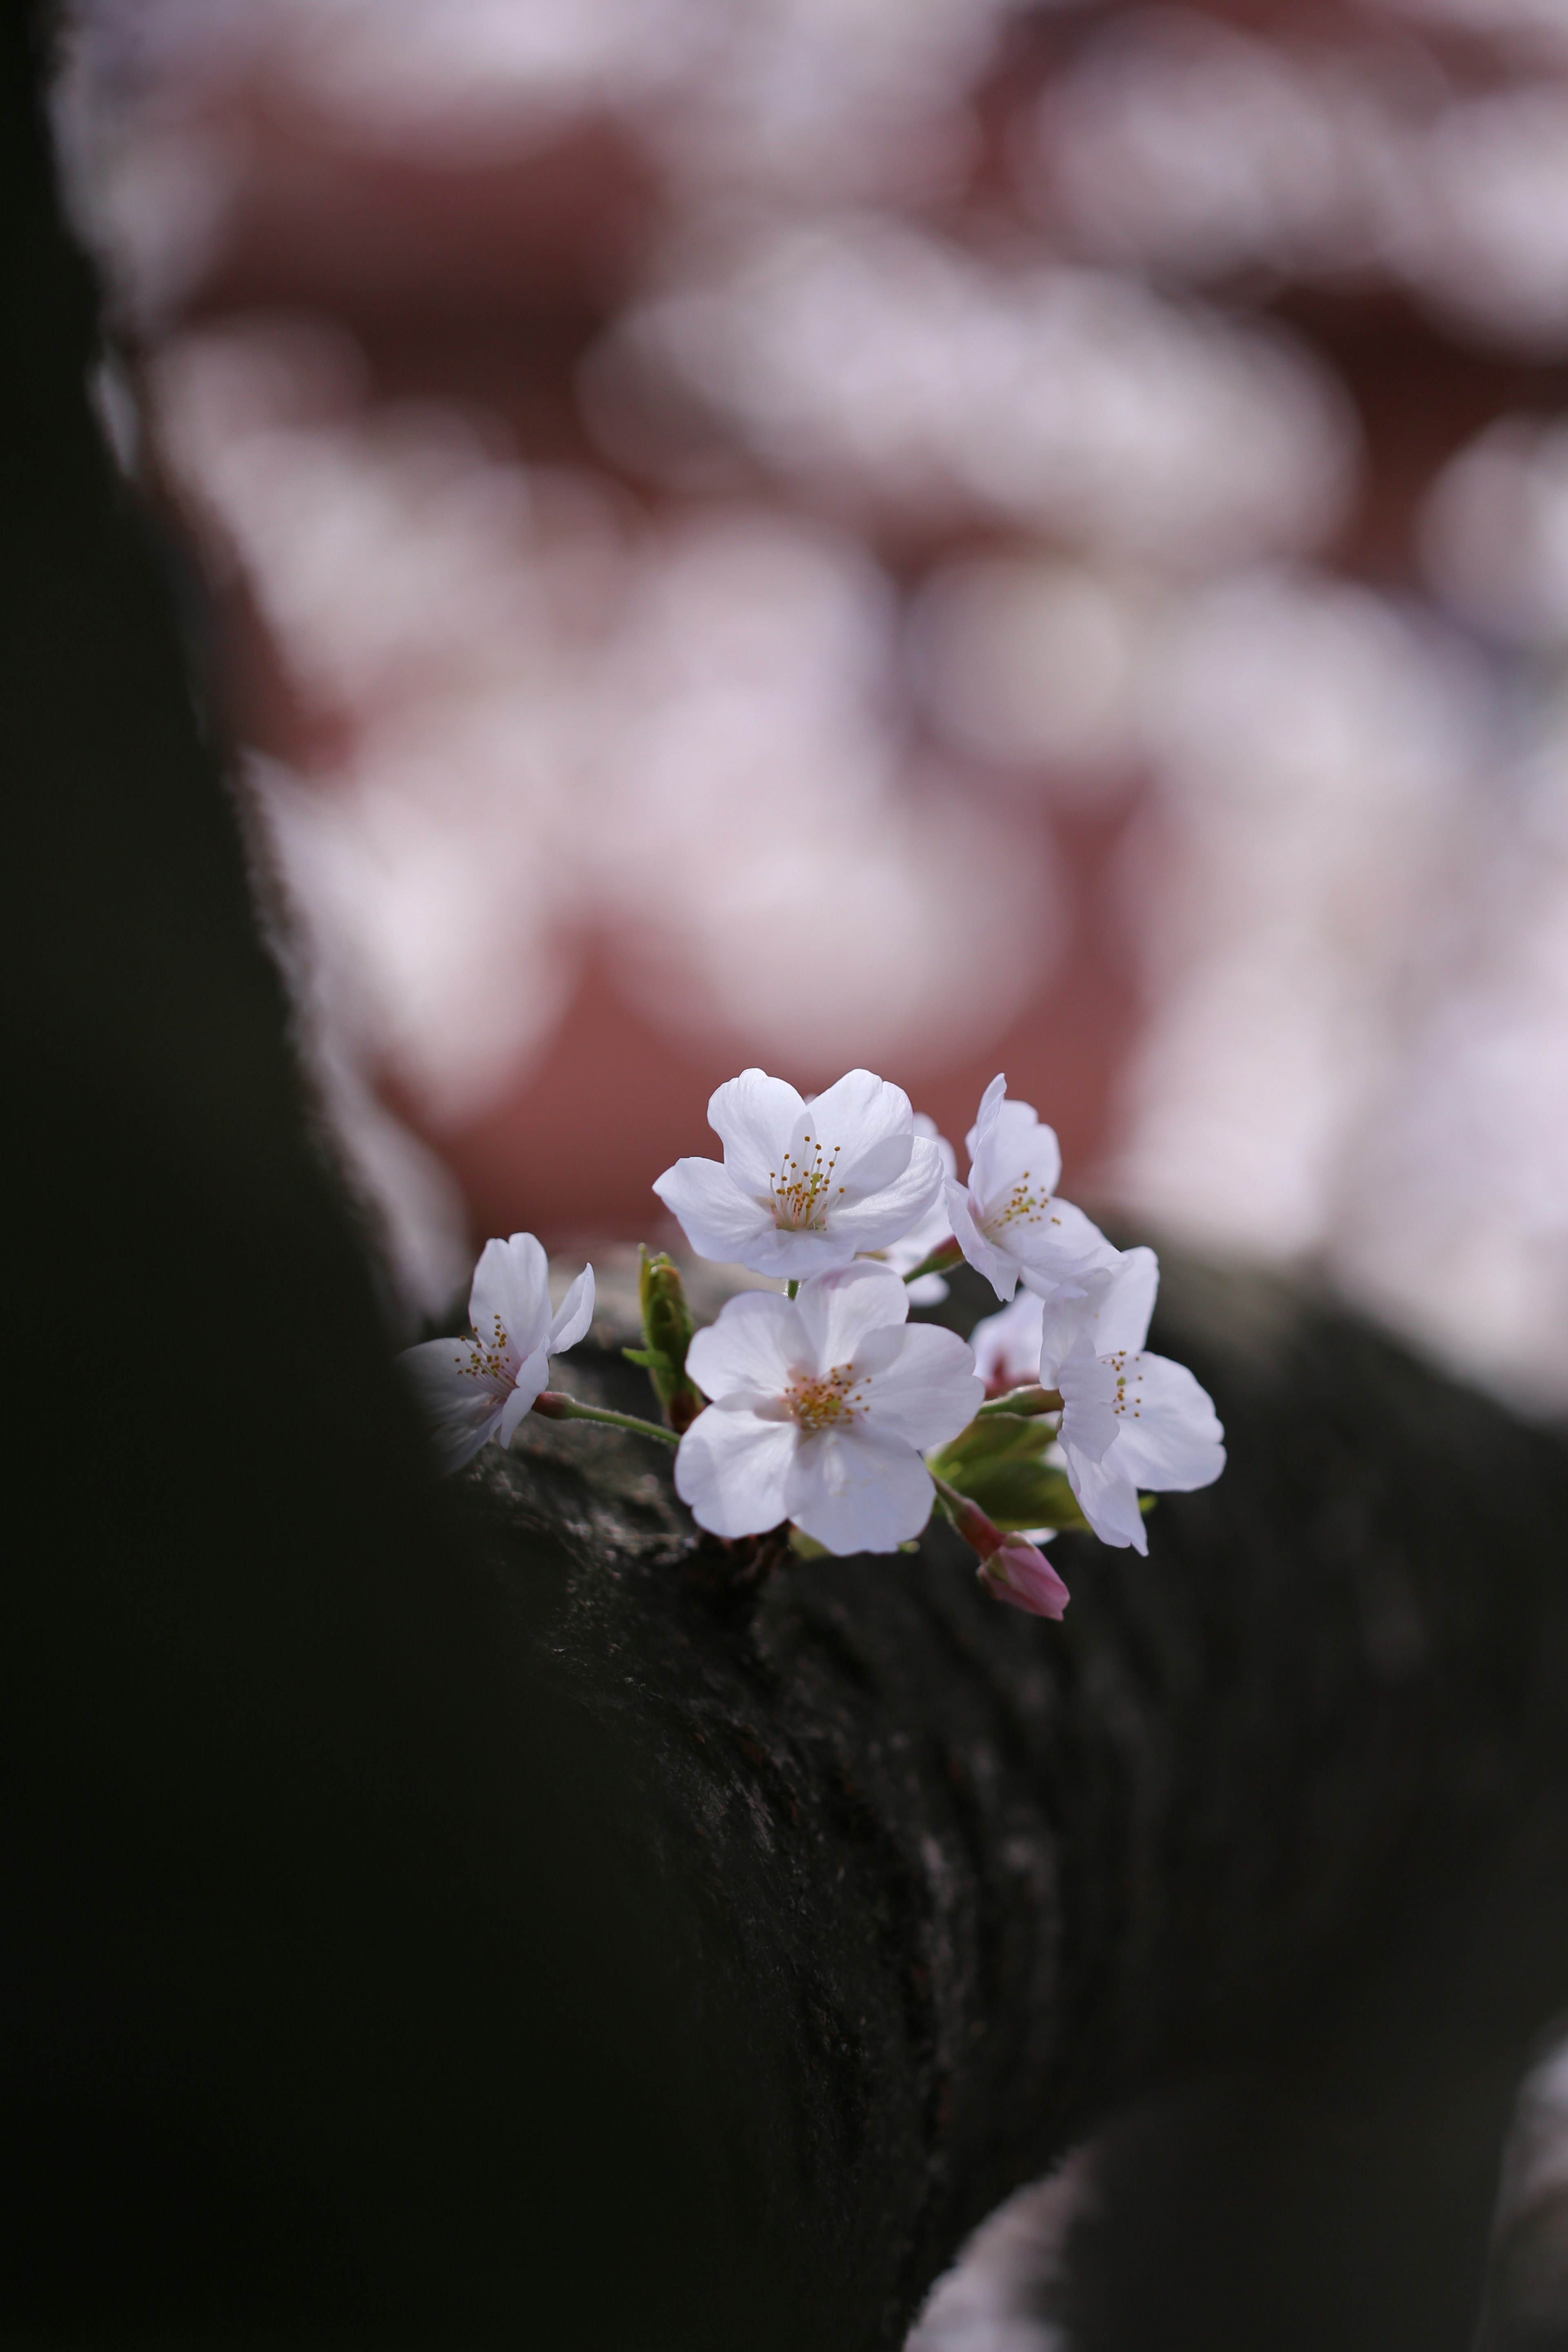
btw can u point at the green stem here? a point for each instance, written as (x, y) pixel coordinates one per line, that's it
(945, 1254)
(1022, 1404)
(553, 1406)
(790, 1288)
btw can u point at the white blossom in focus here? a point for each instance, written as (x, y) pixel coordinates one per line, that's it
(479, 1387)
(935, 1228)
(1129, 1419)
(804, 1186)
(1008, 1220)
(821, 1407)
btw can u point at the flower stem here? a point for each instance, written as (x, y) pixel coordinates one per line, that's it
(1024, 1403)
(946, 1254)
(791, 1287)
(556, 1407)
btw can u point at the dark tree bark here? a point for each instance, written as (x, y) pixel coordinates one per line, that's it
(466, 1918)
(978, 1881)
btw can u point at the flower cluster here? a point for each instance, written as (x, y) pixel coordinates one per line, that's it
(821, 1405)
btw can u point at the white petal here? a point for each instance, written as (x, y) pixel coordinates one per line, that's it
(1089, 1390)
(753, 1345)
(837, 1311)
(793, 1256)
(853, 1494)
(1057, 1244)
(731, 1470)
(1107, 1496)
(871, 1127)
(927, 1130)
(1015, 1151)
(1008, 1346)
(1124, 1304)
(718, 1219)
(462, 1412)
(753, 1117)
(990, 1102)
(887, 1216)
(1170, 1435)
(512, 1283)
(920, 1384)
(1065, 1321)
(574, 1314)
(533, 1375)
(999, 1272)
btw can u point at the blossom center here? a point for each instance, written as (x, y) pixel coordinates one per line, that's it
(487, 1357)
(1023, 1206)
(803, 1190)
(1122, 1402)
(826, 1400)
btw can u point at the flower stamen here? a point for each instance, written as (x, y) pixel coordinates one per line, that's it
(828, 1400)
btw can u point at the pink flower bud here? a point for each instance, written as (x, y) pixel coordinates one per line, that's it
(1023, 1577)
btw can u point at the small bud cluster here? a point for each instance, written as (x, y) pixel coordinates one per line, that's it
(821, 1406)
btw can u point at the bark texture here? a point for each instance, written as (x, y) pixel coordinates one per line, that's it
(977, 1880)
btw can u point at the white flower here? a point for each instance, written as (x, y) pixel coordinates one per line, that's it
(935, 1228)
(821, 1408)
(1008, 1222)
(481, 1386)
(804, 1186)
(1129, 1419)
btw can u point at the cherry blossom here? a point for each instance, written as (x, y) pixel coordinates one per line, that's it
(479, 1387)
(803, 1186)
(820, 1409)
(1008, 1220)
(1129, 1419)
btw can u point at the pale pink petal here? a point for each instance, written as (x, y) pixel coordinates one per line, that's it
(865, 1127)
(990, 1102)
(794, 1254)
(836, 1310)
(999, 1272)
(1015, 1153)
(718, 1219)
(1107, 1496)
(755, 1344)
(511, 1286)
(1169, 1437)
(754, 1116)
(1124, 1304)
(731, 1469)
(1089, 1390)
(1065, 1321)
(885, 1217)
(920, 1384)
(853, 1494)
(462, 1411)
(574, 1314)
(1057, 1244)
(533, 1375)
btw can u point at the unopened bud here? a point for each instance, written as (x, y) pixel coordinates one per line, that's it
(1021, 1575)
(668, 1327)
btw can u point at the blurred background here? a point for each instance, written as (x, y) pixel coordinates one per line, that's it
(942, 534)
